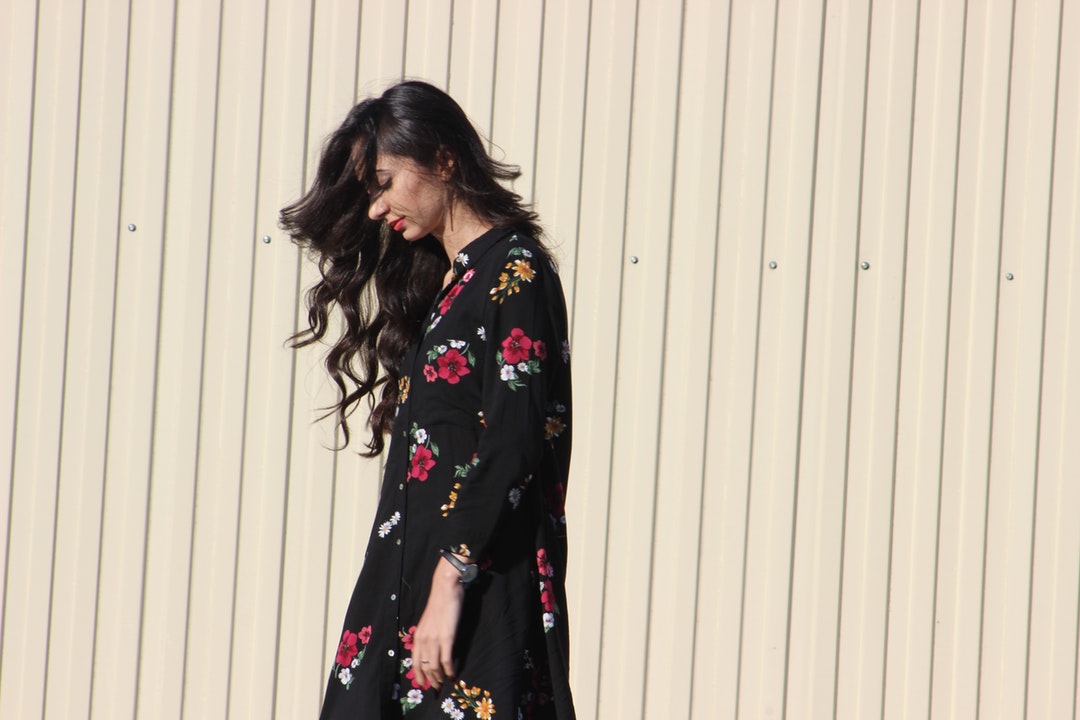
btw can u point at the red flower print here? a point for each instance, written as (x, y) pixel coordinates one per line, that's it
(406, 638)
(430, 374)
(542, 565)
(449, 299)
(516, 347)
(467, 276)
(365, 634)
(347, 649)
(452, 367)
(556, 499)
(421, 462)
(412, 678)
(540, 349)
(547, 598)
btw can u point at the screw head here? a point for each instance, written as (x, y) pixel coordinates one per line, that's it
(266, 239)
(864, 265)
(772, 264)
(131, 227)
(1009, 276)
(633, 260)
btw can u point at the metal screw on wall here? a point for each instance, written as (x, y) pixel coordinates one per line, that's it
(1009, 276)
(772, 264)
(864, 265)
(131, 227)
(633, 260)
(266, 239)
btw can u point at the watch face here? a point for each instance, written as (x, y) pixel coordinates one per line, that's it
(469, 573)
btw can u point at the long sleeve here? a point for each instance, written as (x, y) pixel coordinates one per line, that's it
(523, 366)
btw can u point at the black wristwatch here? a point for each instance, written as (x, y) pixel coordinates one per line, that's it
(469, 571)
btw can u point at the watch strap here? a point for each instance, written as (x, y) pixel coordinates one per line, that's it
(468, 571)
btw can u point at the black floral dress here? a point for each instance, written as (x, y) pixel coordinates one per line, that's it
(477, 464)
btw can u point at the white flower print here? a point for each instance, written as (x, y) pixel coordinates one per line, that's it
(442, 349)
(449, 709)
(559, 407)
(410, 701)
(549, 620)
(434, 323)
(526, 253)
(421, 436)
(457, 344)
(482, 333)
(406, 663)
(385, 528)
(515, 497)
(566, 351)
(355, 661)
(463, 259)
(345, 676)
(507, 373)
(522, 367)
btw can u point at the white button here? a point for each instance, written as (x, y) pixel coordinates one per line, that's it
(390, 653)
(399, 541)
(393, 596)
(401, 486)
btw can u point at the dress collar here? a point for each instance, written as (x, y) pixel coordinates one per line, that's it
(470, 255)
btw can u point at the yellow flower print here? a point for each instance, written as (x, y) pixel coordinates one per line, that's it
(523, 270)
(403, 389)
(553, 427)
(520, 271)
(453, 500)
(468, 698)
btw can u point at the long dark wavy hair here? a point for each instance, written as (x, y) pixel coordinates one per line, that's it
(382, 284)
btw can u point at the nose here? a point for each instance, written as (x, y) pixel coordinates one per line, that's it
(377, 208)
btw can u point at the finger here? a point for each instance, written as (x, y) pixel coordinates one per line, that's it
(429, 673)
(446, 662)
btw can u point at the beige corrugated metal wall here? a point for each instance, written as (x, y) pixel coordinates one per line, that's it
(821, 258)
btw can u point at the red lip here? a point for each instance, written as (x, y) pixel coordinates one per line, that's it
(398, 224)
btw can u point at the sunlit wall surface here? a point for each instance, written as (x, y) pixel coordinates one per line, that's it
(822, 258)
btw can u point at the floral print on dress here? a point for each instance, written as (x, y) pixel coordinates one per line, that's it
(469, 698)
(415, 696)
(553, 427)
(450, 361)
(517, 492)
(350, 652)
(555, 501)
(520, 356)
(498, 411)
(422, 453)
(451, 294)
(547, 595)
(412, 700)
(537, 693)
(386, 527)
(516, 272)
(460, 471)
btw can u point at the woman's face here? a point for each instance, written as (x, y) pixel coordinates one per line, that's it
(411, 199)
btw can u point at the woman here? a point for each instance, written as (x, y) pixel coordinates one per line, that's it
(456, 335)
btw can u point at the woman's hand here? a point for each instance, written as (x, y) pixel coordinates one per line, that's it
(433, 639)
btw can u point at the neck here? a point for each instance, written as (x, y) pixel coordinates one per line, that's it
(461, 228)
